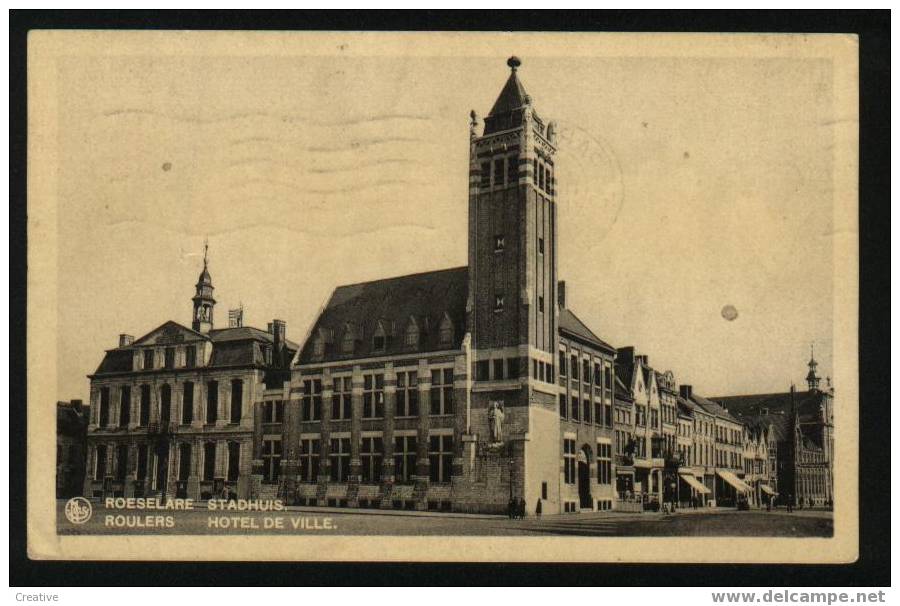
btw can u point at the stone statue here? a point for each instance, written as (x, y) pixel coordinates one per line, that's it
(495, 421)
(201, 313)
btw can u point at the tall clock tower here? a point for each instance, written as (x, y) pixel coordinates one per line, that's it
(512, 304)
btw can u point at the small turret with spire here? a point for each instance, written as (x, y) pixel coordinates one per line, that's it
(812, 378)
(203, 297)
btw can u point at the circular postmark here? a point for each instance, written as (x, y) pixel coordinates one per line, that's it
(78, 510)
(591, 185)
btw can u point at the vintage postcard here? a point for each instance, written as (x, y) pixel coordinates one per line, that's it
(442, 296)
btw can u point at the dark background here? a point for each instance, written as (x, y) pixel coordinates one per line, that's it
(873, 566)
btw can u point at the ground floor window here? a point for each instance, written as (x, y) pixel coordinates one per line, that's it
(184, 462)
(271, 457)
(440, 457)
(234, 461)
(121, 461)
(404, 458)
(143, 456)
(569, 466)
(604, 463)
(209, 461)
(100, 462)
(309, 460)
(371, 454)
(339, 456)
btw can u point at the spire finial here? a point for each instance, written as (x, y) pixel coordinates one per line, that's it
(205, 250)
(513, 63)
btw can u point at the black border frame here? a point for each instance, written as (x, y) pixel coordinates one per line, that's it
(873, 565)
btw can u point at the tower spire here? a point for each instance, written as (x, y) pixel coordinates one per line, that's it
(812, 377)
(203, 297)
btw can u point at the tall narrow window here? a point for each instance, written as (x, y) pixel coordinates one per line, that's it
(237, 399)
(271, 457)
(190, 356)
(440, 456)
(563, 409)
(100, 462)
(187, 403)
(541, 304)
(209, 461)
(184, 462)
(309, 460)
(586, 404)
(121, 461)
(404, 458)
(604, 463)
(407, 394)
(563, 364)
(586, 371)
(104, 406)
(341, 398)
(340, 459)
(234, 461)
(170, 357)
(124, 406)
(371, 453)
(499, 172)
(212, 402)
(143, 456)
(574, 367)
(144, 407)
(512, 169)
(598, 413)
(311, 403)
(373, 396)
(485, 174)
(165, 404)
(541, 176)
(498, 369)
(441, 391)
(148, 359)
(569, 461)
(574, 408)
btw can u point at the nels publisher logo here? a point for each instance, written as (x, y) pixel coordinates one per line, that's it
(78, 510)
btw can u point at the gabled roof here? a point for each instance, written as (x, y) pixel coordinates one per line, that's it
(357, 309)
(169, 328)
(623, 393)
(569, 323)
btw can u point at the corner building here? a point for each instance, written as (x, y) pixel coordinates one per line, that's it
(440, 390)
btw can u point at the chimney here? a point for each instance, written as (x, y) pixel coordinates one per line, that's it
(561, 293)
(269, 328)
(278, 330)
(644, 360)
(686, 391)
(125, 340)
(76, 405)
(625, 355)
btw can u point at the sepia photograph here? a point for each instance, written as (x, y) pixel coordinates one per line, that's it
(443, 296)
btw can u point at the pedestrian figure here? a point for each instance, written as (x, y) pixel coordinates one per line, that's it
(520, 509)
(537, 510)
(790, 503)
(511, 508)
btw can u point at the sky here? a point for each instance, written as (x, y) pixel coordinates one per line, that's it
(684, 186)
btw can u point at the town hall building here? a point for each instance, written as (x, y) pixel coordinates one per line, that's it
(465, 388)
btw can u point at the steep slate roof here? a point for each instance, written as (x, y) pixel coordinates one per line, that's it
(511, 97)
(241, 346)
(713, 408)
(425, 297)
(569, 322)
(625, 372)
(808, 403)
(622, 392)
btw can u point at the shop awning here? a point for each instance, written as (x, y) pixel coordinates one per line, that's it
(735, 481)
(694, 483)
(767, 489)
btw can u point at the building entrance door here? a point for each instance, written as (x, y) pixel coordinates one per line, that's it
(584, 480)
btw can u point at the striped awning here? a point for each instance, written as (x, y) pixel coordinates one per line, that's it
(691, 481)
(735, 481)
